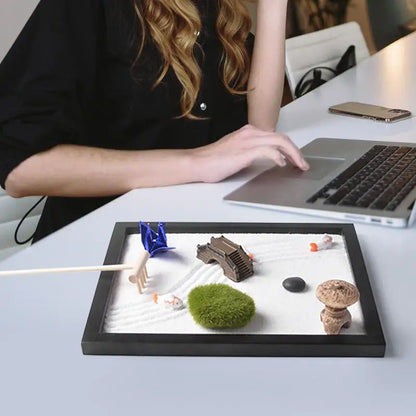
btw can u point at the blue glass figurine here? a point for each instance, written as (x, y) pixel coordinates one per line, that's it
(154, 242)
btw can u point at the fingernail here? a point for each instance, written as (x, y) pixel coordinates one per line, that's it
(305, 165)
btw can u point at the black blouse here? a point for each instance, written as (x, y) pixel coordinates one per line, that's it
(68, 79)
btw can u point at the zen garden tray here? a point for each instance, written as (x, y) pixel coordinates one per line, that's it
(283, 323)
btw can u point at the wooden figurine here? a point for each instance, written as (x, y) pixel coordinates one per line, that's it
(235, 262)
(337, 295)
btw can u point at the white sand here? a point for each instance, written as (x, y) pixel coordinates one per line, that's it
(277, 256)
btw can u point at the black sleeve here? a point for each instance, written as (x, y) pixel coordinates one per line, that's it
(47, 80)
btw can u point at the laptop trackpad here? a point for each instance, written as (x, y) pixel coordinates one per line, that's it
(320, 167)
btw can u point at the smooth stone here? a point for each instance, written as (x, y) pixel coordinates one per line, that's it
(294, 284)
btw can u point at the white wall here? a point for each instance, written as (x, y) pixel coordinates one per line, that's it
(13, 16)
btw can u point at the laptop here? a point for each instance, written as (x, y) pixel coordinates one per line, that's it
(354, 180)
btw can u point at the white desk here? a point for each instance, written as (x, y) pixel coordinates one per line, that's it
(42, 369)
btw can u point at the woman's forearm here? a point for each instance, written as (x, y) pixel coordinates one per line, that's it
(80, 171)
(77, 171)
(267, 71)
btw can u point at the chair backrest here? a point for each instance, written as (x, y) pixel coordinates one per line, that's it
(11, 212)
(322, 48)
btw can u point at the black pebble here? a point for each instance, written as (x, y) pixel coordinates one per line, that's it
(294, 284)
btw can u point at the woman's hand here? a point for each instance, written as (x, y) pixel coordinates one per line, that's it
(240, 149)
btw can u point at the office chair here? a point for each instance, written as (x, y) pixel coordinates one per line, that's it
(323, 48)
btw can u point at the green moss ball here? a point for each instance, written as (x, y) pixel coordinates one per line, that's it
(220, 306)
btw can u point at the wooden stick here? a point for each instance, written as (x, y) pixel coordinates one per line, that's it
(139, 270)
(140, 285)
(139, 266)
(102, 268)
(143, 277)
(138, 274)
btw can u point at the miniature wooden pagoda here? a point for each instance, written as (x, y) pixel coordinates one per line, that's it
(235, 262)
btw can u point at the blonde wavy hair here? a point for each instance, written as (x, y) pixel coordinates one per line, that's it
(173, 25)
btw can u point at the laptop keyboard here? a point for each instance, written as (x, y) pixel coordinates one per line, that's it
(380, 179)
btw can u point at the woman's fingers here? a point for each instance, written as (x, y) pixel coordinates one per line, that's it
(287, 157)
(295, 157)
(265, 152)
(280, 141)
(241, 148)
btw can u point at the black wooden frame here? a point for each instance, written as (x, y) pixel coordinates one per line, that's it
(372, 344)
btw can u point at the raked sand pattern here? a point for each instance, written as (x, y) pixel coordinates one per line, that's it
(276, 256)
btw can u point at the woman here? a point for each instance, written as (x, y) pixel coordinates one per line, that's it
(98, 97)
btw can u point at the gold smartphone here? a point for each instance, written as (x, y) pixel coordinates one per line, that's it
(371, 112)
